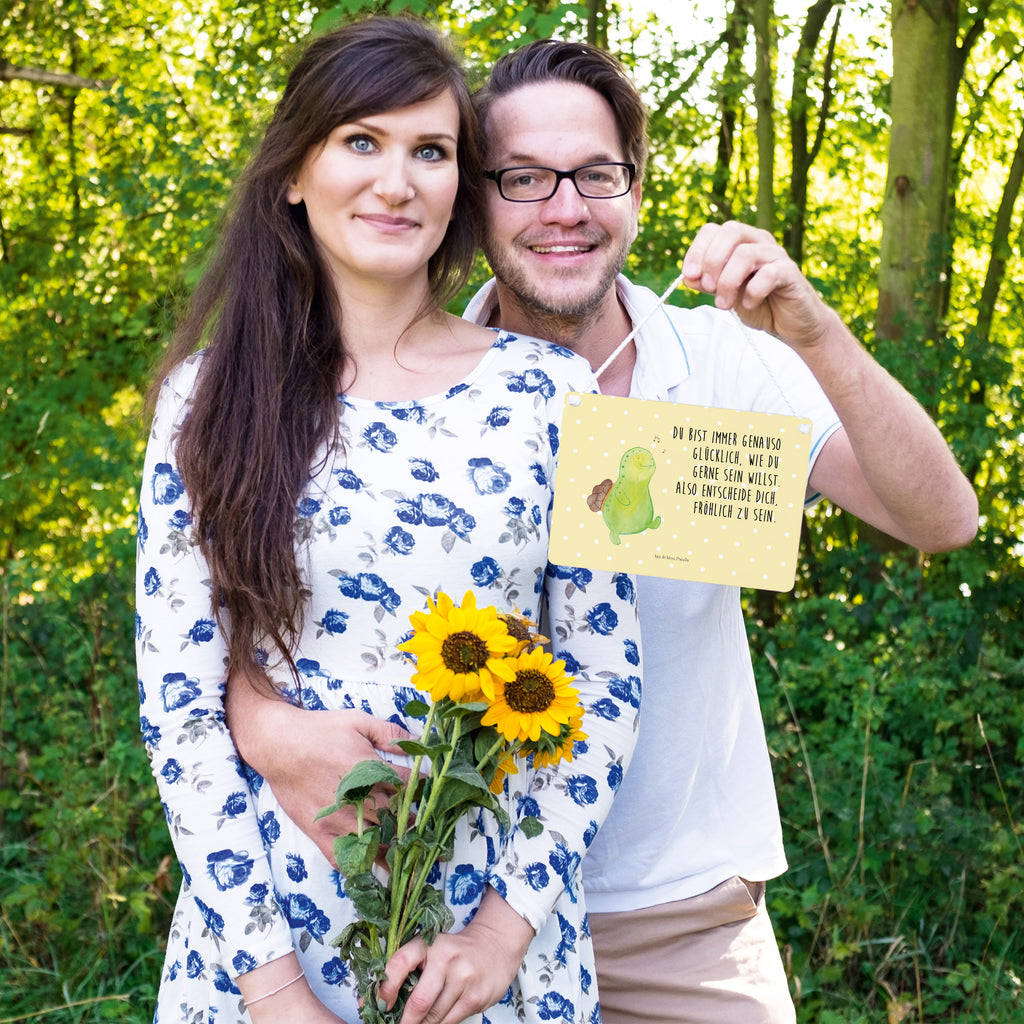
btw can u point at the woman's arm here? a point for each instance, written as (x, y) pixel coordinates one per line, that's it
(278, 993)
(211, 811)
(303, 754)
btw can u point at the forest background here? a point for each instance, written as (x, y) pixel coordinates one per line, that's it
(882, 143)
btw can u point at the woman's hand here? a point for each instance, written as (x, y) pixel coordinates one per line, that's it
(304, 754)
(464, 973)
(278, 993)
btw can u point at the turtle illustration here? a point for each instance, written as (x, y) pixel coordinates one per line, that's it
(626, 505)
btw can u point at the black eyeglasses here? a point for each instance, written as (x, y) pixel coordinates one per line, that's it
(535, 184)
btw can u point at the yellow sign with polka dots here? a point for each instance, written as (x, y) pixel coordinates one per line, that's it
(682, 491)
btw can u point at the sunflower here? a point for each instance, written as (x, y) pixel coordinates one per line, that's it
(459, 651)
(506, 766)
(522, 629)
(536, 698)
(550, 750)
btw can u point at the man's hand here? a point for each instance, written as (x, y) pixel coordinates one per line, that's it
(304, 754)
(748, 271)
(464, 973)
(888, 464)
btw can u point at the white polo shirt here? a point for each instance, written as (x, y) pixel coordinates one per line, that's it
(698, 803)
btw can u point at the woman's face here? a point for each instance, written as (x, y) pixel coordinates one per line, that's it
(379, 191)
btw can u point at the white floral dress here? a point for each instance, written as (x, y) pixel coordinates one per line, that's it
(450, 492)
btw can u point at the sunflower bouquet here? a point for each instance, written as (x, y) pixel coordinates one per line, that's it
(496, 697)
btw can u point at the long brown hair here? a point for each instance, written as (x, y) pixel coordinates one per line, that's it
(265, 402)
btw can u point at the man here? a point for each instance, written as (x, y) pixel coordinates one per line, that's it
(675, 879)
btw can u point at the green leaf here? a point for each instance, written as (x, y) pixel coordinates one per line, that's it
(354, 853)
(531, 826)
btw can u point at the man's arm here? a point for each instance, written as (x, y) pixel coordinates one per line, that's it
(888, 465)
(303, 755)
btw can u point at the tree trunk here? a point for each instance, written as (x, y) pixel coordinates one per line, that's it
(729, 93)
(803, 151)
(597, 23)
(915, 211)
(761, 14)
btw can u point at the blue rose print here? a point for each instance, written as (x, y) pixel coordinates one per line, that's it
(423, 470)
(457, 390)
(582, 789)
(498, 417)
(461, 523)
(296, 867)
(553, 438)
(567, 941)
(540, 474)
(151, 582)
(408, 510)
(368, 586)
(576, 575)
(229, 868)
(606, 708)
(538, 380)
(515, 506)
(335, 971)
(536, 876)
(566, 863)
(572, 666)
(485, 572)
(258, 894)
(172, 770)
(590, 834)
(334, 621)
(180, 520)
(488, 477)
(270, 828)
(625, 589)
(347, 479)
(339, 516)
(602, 619)
(222, 981)
(528, 807)
(244, 962)
(202, 631)
(400, 541)
(194, 964)
(142, 531)
(554, 1006)
(380, 437)
(235, 805)
(615, 777)
(626, 690)
(307, 508)
(632, 652)
(178, 691)
(465, 885)
(210, 917)
(167, 485)
(150, 732)
(302, 912)
(410, 413)
(436, 509)
(586, 980)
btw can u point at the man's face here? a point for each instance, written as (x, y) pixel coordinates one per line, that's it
(559, 256)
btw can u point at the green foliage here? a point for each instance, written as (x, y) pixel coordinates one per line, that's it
(891, 686)
(897, 732)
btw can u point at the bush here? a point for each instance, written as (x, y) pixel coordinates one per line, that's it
(892, 699)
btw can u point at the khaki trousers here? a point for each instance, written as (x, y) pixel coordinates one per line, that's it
(710, 959)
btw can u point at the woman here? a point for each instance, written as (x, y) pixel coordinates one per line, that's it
(340, 450)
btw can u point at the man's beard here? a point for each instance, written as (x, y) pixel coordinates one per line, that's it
(578, 310)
